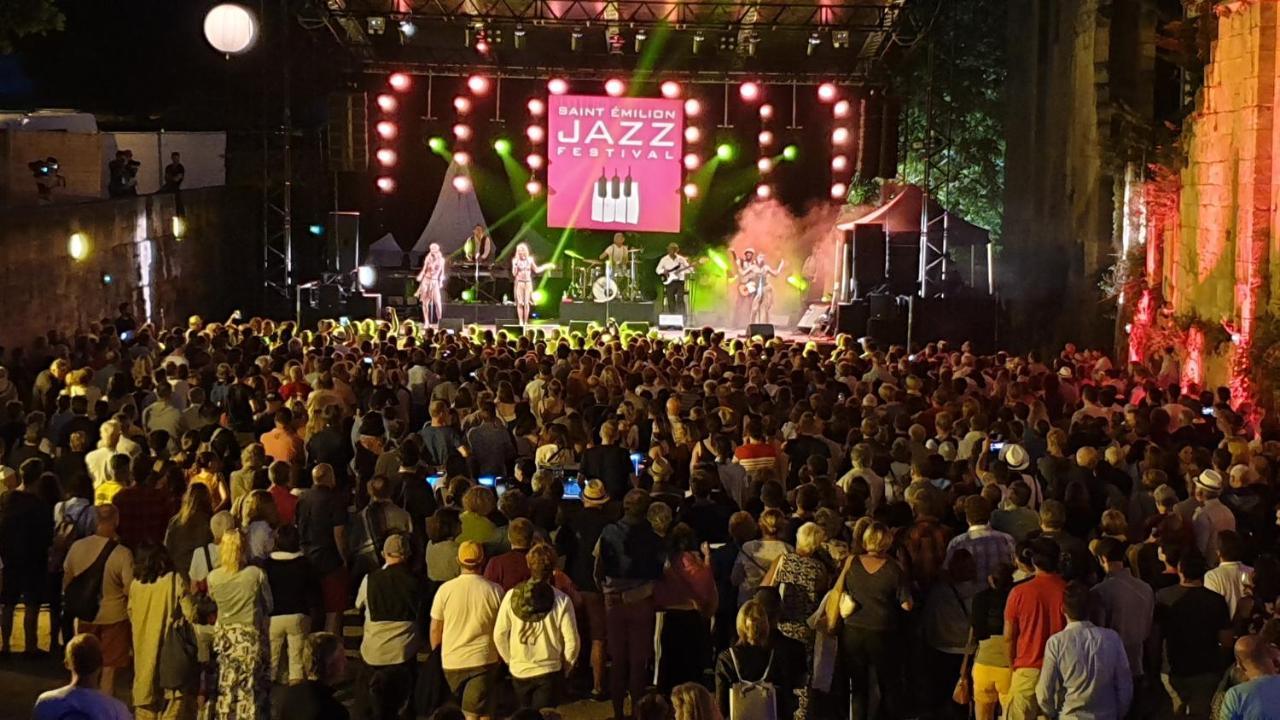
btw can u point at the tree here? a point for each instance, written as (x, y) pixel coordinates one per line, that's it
(967, 40)
(21, 18)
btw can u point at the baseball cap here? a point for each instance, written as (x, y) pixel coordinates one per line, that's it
(396, 546)
(470, 554)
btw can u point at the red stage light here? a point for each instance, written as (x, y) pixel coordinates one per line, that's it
(386, 157)
(462, 158)
(841, 109)
(840, 163)
(462, 105)
(692, 134)
(462, 183)
(765, 138)
(557, 86)
(478, 85)
(827, 92)
(534, 161)
(692, 107)
(387, 130)
(692, 161)
(482, 47)
(691, 190)
(537, 107)
(462, 132)
(387, 103)
(766, 111)
(533, 187)
(749, 91)
(535, 133)
(399, 81)
(840, 136)
(386, 184)
(764, 165)
(670, 89)
(764, 192)
(615, 87)
(839, 191)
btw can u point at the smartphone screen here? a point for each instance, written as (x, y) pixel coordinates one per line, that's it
(572, 488)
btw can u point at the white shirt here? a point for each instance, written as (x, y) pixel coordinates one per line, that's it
(1231, 580)
(553, 638)
(668, 263)
(468, 607)
(1210, 519)
(163, 416)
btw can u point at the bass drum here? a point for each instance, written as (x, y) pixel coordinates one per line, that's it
(604, 289)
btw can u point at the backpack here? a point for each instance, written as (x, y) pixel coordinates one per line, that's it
(752, 700)
(83, 596)
(65, 533)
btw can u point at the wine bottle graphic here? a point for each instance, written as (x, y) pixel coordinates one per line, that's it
(613, 204)
(631, 189)
(598, 197)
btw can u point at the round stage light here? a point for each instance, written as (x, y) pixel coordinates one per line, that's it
(765, 137)
(766, 111)
(840, 136)
(764, 165)
(615, 87)
(367, 276)
(462, 183)
(462, 131)
(692, 161)
(670, 89)
(725, 152)
(790, 153)
(535, 133)
(437, 144)
(386, 184)
(462, 105)
(180, 227)
(839, 191)
(482, 46)
(841, 109)
(387, 103)
(462, 158)
(692, 134)
(478, 85)
(827, 92)
(764, 192)
(533, 187)
(692, 107)
(539, 296)
(534, 161)
(387, 130)
(386, 157)
(840, 163)
(537, 107)
(469, 295)
(408, 28)
(502, 146)
(78, 246)
(557, 86)
(231, 29)
(749, 91)
(691, 190)
(399, 81)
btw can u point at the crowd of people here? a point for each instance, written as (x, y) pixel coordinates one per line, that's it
(699, 528)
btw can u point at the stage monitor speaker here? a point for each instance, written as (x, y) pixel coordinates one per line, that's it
(635, 326)
(764, 330)
(579, 327)
(348, 132)
(811, 317)
(868, 259)
(328, 300)
(343, 242)
(670, 322)
(452, 323)
(882, 306)
(851, 318)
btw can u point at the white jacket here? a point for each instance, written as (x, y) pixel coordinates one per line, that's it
(554, 639)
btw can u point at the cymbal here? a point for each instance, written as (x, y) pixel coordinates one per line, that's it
(574, 255)
(635, 250)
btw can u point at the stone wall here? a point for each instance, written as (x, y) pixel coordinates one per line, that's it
(212, 268)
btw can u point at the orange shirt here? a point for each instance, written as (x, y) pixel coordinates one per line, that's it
(282, 445)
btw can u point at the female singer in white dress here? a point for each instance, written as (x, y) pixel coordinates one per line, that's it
(430, 285)
(762, 297)
(523, 266)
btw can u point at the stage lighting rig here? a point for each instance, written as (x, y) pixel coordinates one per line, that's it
(641, 36)
(519, 36)
(575, 40)
(815, 39)
(840, 39)
(376, 25)
(729, 42)
(699, 38)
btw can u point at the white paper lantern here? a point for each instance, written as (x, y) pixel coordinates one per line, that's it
(231, 29)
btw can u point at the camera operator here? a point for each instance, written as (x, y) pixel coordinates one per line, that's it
(47, 178)
(124, 175)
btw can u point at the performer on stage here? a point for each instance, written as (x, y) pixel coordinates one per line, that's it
(761, 290)
(672, 270)
(617, 255)
(523, 266)
(741, 266)
(478, 248)
(809, 271)
(430, 283)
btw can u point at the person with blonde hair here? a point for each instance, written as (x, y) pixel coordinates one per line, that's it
(804, 578)
(759, 655)
(876, 595)
(240, 638)
(692, 701)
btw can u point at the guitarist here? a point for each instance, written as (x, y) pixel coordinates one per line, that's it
(742, 268)
(672, 270)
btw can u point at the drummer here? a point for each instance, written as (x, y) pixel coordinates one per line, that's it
(617, 255)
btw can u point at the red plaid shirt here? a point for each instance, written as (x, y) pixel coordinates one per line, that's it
(927, 547)
(144, 515)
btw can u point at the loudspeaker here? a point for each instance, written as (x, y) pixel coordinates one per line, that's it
(868, 259)
(635, 326)
(348, 132)
(328, 300)
(882, 306)
(343, 242)
(579, 327)
(670, 322)
(851, 318)
(764, 330)
(452, 323)
(811, 316)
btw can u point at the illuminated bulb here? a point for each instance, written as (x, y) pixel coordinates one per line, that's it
(766, 111)
(482, 47)
(534, 161)
(692, 161)
(387, 103)
(692, 134)
(615, 87)
(537, 107)
(841, 109)
(535, 133)
(840, 136)
(839, 191)
(387, 130)
(533, 187)
(557, 86)
(462, 158)
(386, 184)
(691, 190)
(749, 91)
(78, 246)
(826, 92)
(462, 132)
(462, 183)
(764, 164)
(399, 82)
(765, 137)
(670, 89)
(367, 276)
(478, 84)
(764, 192)
(839, 163)
(1236, 338)
(692, 107)
(462, 105)
(386, 157)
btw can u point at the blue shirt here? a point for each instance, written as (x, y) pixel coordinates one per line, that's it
(1258, 699)
(1085, 675)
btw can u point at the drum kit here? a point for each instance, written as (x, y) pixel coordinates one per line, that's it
(604, 282)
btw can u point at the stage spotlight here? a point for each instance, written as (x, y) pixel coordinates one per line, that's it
(729, 42)
(437, 144)
(764, 165)
(814, 41)
(106, 278)
(764, 192)
(375, 25)
(692, 161)
(387, 103)
(827, 92)
(765, 138)
(539, 296)
(798, 282)
(399, 81)
(698, 39)
(614, 41)
(180, 227)
(670, 89)
(519, 36)
(386, 185)
(839, 191)
(839, 163)
(841, 109)
(462, 105)
(462, 132)
(478, 85)
(316, 229)
(790, 153)
(462, 183)
(749, 91)
(575, 39)
(386, 130)
(615, 87)
(482, 46)
(534, 161)
(367, 276)
(691, 190)
(537, 107)
(725, 152)
(557, 86)
(78, 246)
(692, 134)
(533, 187)
(502, 146)
(840, 136)
(839, 39)
(408, 28)
(641, 36)
(462, 158)
(386, 157)
(692, 107)
(749, 43)
(469, 295)
(766, 111)
(536, 134)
